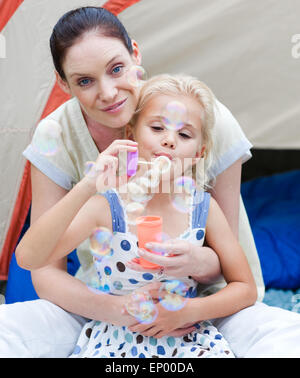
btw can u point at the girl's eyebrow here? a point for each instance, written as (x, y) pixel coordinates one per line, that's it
(108, 63)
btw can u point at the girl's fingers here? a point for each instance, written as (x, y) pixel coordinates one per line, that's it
(176, 247)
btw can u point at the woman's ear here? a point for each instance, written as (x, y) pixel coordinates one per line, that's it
(137, 56)
(62, 83)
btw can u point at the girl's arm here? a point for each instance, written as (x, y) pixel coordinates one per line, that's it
(240, 291)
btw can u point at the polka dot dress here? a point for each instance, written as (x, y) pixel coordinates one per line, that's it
(100, 339)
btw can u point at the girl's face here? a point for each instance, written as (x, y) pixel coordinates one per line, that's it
(155, 139)
(96, 73)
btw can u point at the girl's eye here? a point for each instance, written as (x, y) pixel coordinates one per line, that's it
(84, 82)
(157, 128)
(185, 136)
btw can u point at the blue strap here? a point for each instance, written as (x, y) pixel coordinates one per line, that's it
(200, 211)
(117, 214)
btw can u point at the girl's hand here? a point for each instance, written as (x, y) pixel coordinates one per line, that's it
(166, 322)
(183, 259)
(103, 171)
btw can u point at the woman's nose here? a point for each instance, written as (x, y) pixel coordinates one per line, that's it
(107, 91)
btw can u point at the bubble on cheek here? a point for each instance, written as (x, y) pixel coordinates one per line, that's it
(100, 243)
(136, 75)
(173, 295)
(174, 115)
(46, 140)
(141, 306)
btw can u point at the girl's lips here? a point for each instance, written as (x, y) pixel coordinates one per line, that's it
(114, 108)
(164, 154)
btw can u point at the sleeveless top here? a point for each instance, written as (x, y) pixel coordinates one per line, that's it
(115, 277)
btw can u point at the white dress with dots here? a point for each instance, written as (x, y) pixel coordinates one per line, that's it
(101, 339)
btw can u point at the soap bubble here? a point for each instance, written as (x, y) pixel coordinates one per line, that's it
(46, 138)
(136, 75)
(134, 210)
(173, 295)
(162, 163)
(89, 169)
(181, 202)
(100, 243)
(174, 115)
(141, 306)
(184, 184)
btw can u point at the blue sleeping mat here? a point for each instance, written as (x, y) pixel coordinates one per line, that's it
(273, 207)
(19, 286)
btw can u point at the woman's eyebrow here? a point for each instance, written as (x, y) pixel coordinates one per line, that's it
(107, 64)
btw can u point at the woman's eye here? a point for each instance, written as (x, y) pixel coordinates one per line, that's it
(117, 70)
(84, 82)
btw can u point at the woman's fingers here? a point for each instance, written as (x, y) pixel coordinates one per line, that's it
(118, 145)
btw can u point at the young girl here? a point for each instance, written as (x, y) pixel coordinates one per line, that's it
(73, 219)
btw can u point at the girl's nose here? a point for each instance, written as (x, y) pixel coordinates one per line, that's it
(169, 141)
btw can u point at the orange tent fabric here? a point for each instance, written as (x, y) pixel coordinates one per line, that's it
(56, 98)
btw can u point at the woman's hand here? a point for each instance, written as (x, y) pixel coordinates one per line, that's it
(103, 171)
(184, 259)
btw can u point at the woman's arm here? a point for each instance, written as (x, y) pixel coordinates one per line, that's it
(53, 282)
(227, 191)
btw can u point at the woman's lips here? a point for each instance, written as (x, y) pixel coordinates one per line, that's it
(115, 107)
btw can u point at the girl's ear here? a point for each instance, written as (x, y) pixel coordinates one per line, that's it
(201, 153)
(129, 132)
(62, 83)
(137, 56)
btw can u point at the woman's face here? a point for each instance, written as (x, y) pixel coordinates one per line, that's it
(155, 139)
(96, 73)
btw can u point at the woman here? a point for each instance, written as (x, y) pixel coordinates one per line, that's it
(92, 52)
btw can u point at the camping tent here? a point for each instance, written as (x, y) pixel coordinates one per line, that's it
(247, 53)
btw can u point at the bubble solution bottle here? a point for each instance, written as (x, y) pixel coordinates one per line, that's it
(149, 229)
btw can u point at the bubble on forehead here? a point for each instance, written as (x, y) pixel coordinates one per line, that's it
(136, 75)
(46, 138)
(174, 115)
(100, 243)
(173, 295)
(141, 306)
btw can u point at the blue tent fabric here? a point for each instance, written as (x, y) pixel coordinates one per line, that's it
(19, 286)
(273, 207)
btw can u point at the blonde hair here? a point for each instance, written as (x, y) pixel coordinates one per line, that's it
(182, 84)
